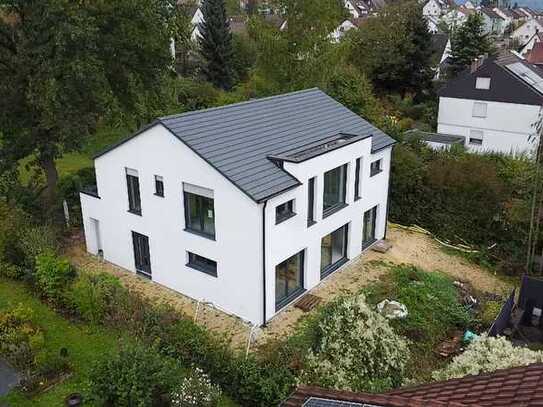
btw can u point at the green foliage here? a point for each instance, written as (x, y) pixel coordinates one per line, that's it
(138, 376)
(489, 312)
(94, 296)
(37, 240)
(354, 348)
(52, 276)
(216, 44)
(196, 390)
(13, 220)
(469, 42)
(244, 54)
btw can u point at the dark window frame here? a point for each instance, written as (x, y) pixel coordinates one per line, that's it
(330, 268)
(203, 264)
(342, 202)
(311, 202)
(476, 141)
(188, 224)
(159, 186)
(357, 179)
(134, 194)
(283, 215)
(372, 212)
(375, 171)
(283, 302)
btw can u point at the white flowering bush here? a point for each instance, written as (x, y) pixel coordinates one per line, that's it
(486, 355)
(197, 390)
(355, 349)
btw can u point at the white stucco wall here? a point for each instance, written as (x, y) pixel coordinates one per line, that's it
(432, 8)
(508, 128)
(527, 30)
(237, 248)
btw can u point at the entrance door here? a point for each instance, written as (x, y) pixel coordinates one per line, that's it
(142, 256)
(368, 233)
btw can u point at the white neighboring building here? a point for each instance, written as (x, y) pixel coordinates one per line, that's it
(494, 106)
(433, 8)
(525, 50)
(246, 206)
(527, 30)
(457, 17)
(357, 8)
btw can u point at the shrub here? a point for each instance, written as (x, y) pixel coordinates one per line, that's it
(12, 221)
(356, 349)
(95, 296)
(11, 271)
(37, 240)
(196, 390)
(486, 355)
(137, 376)
(489, 312)
(53, 274)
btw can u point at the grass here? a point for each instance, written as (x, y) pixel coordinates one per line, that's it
(434, 312)
(85, 344)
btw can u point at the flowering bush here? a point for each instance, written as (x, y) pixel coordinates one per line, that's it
(486, 355)
(197, 390)
(356, 349)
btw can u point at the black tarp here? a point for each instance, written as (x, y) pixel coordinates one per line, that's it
(531, 290)
(502, 320)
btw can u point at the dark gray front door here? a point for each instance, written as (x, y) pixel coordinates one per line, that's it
(142, 256)
(368, 234)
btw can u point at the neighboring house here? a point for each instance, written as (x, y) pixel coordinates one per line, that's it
(346, 26)
(507, 15)
(433, 8)
(519, 15)
(357, 8)
(457, 17)
(196, 20)
(493, 23)
(470, 5)
(494, 106)
(535, 56)
(525, 50)
(517, 386)
(441, 53)
(245, 206)
(433, 24)
(527, 30)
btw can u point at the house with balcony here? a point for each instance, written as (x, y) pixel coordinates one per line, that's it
(246, 206)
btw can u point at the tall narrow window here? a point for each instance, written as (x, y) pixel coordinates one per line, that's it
(357, 179)
(284, 211)
(199, 210)
(334, 190)
(133, 186)
(333, 250)
(159, 186)
(311, 202)
(289, 280)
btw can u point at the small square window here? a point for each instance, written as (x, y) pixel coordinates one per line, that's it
(482, 83)
(202, 264)
(159, 186)
(376, 167)
(284, 211)
(476, 137)
(479, 109)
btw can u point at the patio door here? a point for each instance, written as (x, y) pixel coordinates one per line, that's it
(142, 256)
(368, 232)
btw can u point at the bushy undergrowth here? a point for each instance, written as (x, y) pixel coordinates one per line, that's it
(355, 349)
(52, 277)
(487, 354)
(196, 390)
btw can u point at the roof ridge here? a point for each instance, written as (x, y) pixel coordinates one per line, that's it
(231, 105)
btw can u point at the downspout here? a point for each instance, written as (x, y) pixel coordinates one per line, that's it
(264, 263)
(388, 195)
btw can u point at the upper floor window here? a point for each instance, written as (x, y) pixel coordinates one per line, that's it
(159, 186)
(357, 179)
(479, 109)
(376, 167)
(133, 187)
(311, 202)
(199, 210)
(482, 83)
(334, 189)
(284, 211)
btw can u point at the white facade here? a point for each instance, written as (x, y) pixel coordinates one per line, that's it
(432, 8)
(239, 239)
(527, 30)
(505, 127)
(196, 20)
(341, 30)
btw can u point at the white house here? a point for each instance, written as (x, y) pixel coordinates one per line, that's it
(494, 106)
(493, 22)
(469, 4)
(357, 8)
(527, 30)
(536, 38)
(507, 15)
(246, 206)
(457, 17)
(433, 8)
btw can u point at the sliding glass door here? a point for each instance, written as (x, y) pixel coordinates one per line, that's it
(333, 250)
(368, 232)
(289, 280)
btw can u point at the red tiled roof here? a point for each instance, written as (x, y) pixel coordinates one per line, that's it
(519, 387)
(535, 56)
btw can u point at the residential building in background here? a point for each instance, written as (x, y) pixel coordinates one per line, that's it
(527, 30)
(265, 198)
(494, 106)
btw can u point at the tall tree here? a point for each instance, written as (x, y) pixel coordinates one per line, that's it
(468, 42)
(216, 44)
(64, 64)
(394, 48)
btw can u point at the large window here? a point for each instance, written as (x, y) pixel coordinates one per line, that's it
(479, 109)
(289, 280)
(133, 186)
(284, 211)
(357, 179)
(199, 210)
(333, 250)
(311, 202)
(202, 264)
(482, 83)
(334, 189)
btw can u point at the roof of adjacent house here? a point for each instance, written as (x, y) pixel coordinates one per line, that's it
(513, 80)
(239, 139)
(491, 13)
(535, 56)
(519, 387)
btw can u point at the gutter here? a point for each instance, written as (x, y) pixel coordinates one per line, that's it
(264, 264)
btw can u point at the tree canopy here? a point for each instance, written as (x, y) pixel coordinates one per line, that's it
(468, 42)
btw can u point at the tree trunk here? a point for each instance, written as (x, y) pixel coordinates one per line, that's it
(47, 163)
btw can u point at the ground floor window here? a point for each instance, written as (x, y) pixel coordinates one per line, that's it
(289, 280)
(368, 232)
(333, 250)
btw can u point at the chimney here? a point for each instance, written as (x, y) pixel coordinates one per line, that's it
(477, 62)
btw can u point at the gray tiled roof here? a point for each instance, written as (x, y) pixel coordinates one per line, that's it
(237, 139)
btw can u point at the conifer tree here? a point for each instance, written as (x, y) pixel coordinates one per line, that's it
(468, 42)
(216, 44)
